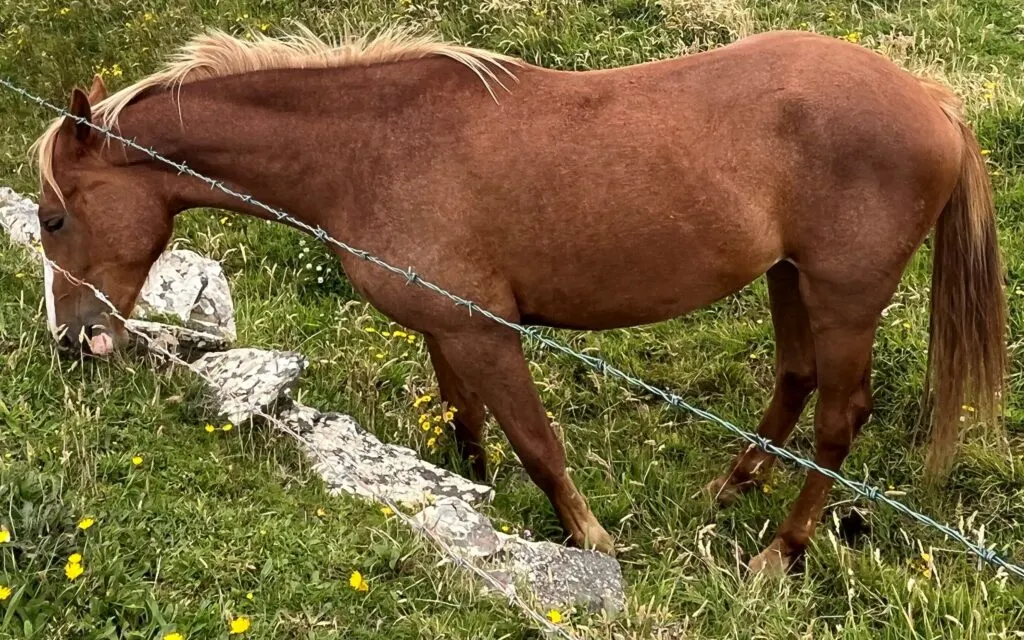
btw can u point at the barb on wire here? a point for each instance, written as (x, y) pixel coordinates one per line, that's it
(598, 364)
(508, 590)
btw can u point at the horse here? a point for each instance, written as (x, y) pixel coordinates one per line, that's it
(586, 200)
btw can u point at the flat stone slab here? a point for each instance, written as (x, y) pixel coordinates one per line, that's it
(386, 469)
(556, 576)
(178, 340)
(245, 381)
(191, 288)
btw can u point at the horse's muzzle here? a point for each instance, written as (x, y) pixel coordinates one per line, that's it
(92, 339)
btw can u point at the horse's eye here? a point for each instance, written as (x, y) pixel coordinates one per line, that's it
(53, 224)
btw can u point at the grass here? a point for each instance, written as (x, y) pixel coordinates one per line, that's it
(206, 519)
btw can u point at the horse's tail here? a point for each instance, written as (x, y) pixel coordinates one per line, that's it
(967, 343)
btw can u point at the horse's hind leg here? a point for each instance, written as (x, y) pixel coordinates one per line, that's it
(795, 379)
(492, 360)
(843, 323)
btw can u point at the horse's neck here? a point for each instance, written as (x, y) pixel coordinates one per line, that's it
(269, 141)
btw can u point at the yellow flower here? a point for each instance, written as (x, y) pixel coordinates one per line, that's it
(5, 535)
(65, 11)
(432, 443)
(5, 592)
(320, 513)
(411, 339)
(426, 425)
(387, 511)
(73, 569)
(400, 334)
(85, 523)
(766, 489)
(985, 152)
(379, 356)
(424, 417)
(370, 330)
(75, 558)
(449, 416)
(927, 557)
(174, 636)
(137, 461)
(210, 428)
(357, 582)
(116, 70)
(264, 26)
(240, 625)
(504, 528)
(249, 596)
(148, 17)
(555, 616)
(386, 334)
(227, 427)
(853, 36)
(422, 400)
(438, 431)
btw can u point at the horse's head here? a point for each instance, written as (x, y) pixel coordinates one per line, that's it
(102, 222)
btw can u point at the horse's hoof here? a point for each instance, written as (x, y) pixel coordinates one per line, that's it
(774, 561)
(723, 491)
(599, 540)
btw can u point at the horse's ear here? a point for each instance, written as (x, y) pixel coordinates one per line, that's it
(82, 114)
(98, 91)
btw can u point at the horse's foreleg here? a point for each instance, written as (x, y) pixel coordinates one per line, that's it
(470, 412)
(492, 359)
(795, 379)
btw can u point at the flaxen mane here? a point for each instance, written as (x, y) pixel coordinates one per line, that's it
(216, 54)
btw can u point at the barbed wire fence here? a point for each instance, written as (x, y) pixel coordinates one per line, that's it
(861, 489)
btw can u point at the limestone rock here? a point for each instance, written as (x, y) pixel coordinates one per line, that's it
(19, 218)
(247, 380)
(180, 341)
(185, 285)
(555, 575)
(386, 469)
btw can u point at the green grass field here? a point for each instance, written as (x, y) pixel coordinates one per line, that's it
(210, 528)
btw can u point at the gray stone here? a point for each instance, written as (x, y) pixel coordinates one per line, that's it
(180, 341)
(556, 576)
(19, 218)
(349, 452)
(243, 381)
(191, 288)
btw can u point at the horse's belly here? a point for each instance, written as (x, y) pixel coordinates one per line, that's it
(643, 292)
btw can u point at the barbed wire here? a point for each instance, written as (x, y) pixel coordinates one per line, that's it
(508, 590)
(860, 488)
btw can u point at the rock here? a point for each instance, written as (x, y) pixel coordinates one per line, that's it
(191, 288)
(178, 340)
(556, 576)
(386, 469)
(19, 218)
(247, 380)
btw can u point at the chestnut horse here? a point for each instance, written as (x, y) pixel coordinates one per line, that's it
(585, 200)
